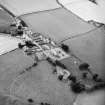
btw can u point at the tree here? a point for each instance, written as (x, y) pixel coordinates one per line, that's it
(96, 78)
(84, 75)
(23, 23)
(30, 100)
(29, 44)
(60, 64)
(72, 78)
(51, 61)
(77, 87)
(99, 86)
(85, 67)
(65, 48)
(42, 103)
(20, 45)
(93, 1)
(20, 32)
(60, 77)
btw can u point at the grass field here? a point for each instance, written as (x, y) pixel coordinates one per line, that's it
(90, 48)
(57, 24)
(61, 24)
(7, 43)
(10, 65)
(86, 9)
(96, 98)
(5, 21)
(21, 7)
(40, 83)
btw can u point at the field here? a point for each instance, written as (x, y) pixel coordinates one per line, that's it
(87, 10)
(23, 7)
(5, 21)
(85, 40)
(7, 43)
(57, 24)
(39, 83)
(90, 48)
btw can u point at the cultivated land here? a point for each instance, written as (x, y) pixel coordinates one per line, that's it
(86, 9)
(95, 98)
(61, 24)
(57, 24)
(8, 43)
(40, 83)
(90, 48)
(11, 65)
(5, 21)
(21, 7)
